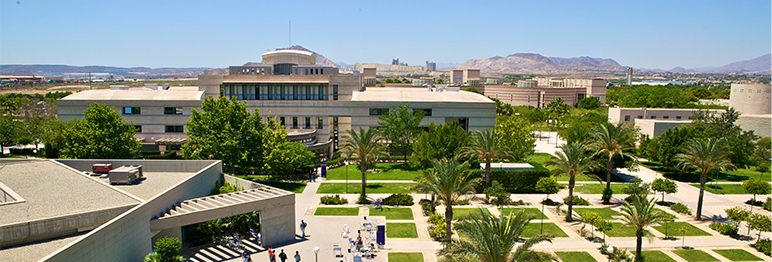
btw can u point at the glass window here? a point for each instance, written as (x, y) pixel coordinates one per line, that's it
(295, 92)
(321, 92)
(172, 110)
(319, 123)
(666, 117)
(281, 121)
(678, 117)
(131, 111)
(294, 122)
(308, 92)
(627, 118)
(270, 92)
(138, 128)
(175, 129)
(334, 92)
(653, 117)
(640, 117)
(308, 123)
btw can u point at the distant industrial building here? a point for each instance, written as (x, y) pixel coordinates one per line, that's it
(467, 77)
(431, 66)
(540, 91)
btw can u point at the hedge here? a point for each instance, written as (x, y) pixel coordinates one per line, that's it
(339, 161)
(514, 181)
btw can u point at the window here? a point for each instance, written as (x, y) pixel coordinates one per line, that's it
(296, 91)
(319, 123)
(281, 120)
(270, 92)
(321, 72)
(321, 92)
(666, 117)
(175, 129)
(379, 111)
(172, 110)
(335, 132)
(653, 117)
(138, 128)
(281, 92)
(334, 92)
(306, 71)
(640, 117)
(308, 92)
(295, 122)
(627, 118)
(427, 111)
(308, 123)
(131, 111)
(678, 117)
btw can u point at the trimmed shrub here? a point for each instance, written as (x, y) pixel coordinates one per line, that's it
(334, 200)
(496, 194)
(518, 203)
(724, 229)
(400, 199)
(363, 200)
(426, 205)
(607, 193)
(681, 208)
(461, 202)
(436, 226)
(767, 204)
(547, 201)
(514, 181)
(577, 201)
(763, 246)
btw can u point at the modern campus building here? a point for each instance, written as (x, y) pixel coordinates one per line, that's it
(540, 91)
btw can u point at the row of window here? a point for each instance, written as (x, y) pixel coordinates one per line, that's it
(279, 92)
(167, 129)
(306, 122)
(758, 91)
(627, 117)
(138, 110)
(385, 111)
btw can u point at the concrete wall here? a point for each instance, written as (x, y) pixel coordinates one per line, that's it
(760, 124)
(128, 236)
(147, 165)
(654, 128)
(751, 98)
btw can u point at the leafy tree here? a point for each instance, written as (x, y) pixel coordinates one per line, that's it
(502, 108)
(516, 134)
(580, 128)
(704, 155)
(449, 180)
(548, 186)
(760, 223)
(665, 186)
(640, 214)
(288, 158)
(740, 143)
(672, 142)
(592, 218)
(52, 136)
(762, 154)
(167, 249)
(737, 215)
(612, 140)
(589, 102)
(438, 142)
(101, 134)
(401, 128)
(365, 146)
(637, 188)
(485, 146)
(7, 131)
(496, 194)
(603, 226)
(556, 110)
(756, 187)
(488, 238)
(439, 81)
(572, 161)
(406, 81)
(473, 90)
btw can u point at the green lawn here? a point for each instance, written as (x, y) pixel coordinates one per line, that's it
(528, 211)
(406, 257)
(620, 230)
(401, 213)
(673, 229)
(605, 213)
(694, 255)
(594, 188)
(336, 211)
(737, 255)
(542, 158)
(579, 256)
(656, 256)
(670, 216)
(462, 213)
(726, 176)
(372, 188)
(401, 230)
(723, 189)
(532, 229)
(293, 187)
(389, 171)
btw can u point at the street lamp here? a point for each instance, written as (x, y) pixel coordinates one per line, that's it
(541, 227)
(316, 253)
(609, 250)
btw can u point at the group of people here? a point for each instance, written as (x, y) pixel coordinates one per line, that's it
(247, 256)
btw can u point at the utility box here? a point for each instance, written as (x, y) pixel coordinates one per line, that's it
(125, 174)
(101, 168)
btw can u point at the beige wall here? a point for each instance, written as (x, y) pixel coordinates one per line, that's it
(531, 96)
(751, 98)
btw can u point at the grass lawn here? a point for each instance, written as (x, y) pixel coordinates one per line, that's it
(402, 213)
(726, 176)
(723, 189)
(656, 256)
(605, 213)
(579, 256)
(542, 159)
(737, 255)
(532, 229)
(294, 187)
(401, 230)
(462, 213)
(673, 229)
(620, 230)
(528, 211)
(598, 188)
(406, 257)
(671, 216)
(694, 255)
(389, 171)
(336, 211)
(372, 188)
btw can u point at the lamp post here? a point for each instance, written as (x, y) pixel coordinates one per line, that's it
(541, 227)
(608, 251)
(346, 163)
(316, 253)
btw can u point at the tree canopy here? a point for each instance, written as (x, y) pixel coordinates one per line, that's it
(516, 135)
(101, 134)
(438, 142)
(400, 127)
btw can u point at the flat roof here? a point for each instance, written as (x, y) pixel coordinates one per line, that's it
(137, 95)
(381, 94)
(52, 190)
(152, 184)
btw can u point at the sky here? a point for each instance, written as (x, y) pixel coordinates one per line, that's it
(642, 34)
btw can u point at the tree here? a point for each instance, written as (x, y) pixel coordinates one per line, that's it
(288, 158)
(52, 136)
(580, 128)
(589, 102)
(762, 154)
(613, 140)
(572, 161)
(473, 90)
(591, 218)
(755, 187)
(488, 238)
(400, 128)
(365, 146)
(7, 131)
(665, 186)
(485, 146)
(604, 226)
(548, 186)
(705, 155)
(438, 142)
(516, 134)
(449, 180)
(737, 215)
(167, 249)
(556, 109)
(640, 214)
(760, 223)
(101, 134)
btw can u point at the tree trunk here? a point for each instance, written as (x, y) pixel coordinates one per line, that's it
(638, 244)
(609, 166)
(488, 173)
(433, 205)
(703, 179)
(363, 169)
(570, 216)
(448, 219)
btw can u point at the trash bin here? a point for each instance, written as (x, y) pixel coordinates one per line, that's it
(324, 171)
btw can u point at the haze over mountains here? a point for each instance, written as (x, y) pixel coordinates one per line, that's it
(761, 64)
(529, 63)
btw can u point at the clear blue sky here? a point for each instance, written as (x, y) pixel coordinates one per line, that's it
(644, 34)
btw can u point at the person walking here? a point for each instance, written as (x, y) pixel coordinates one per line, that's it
(271, 256)
(244, 255)
(283, 256)
(297, 256)
(303, 226)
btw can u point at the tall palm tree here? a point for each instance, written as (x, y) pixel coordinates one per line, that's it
(705, 155)
(612, 140)
(485, 146)
(640, 215)
(364, 145)
(449, 180)
(572, 161)
(487, 238)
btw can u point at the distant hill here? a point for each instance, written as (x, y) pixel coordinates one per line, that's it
(61, 70)
(761, 64)
(529, 63)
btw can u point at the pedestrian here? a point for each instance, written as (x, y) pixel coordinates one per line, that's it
(270, 252)
(303, 226)
(272, 256)
(244, 256)
(249, 257)
(283, 256)
(297, 256)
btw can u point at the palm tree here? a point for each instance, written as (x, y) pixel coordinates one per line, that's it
(612, 140)
(487, 238)
(706, 155)
(640, 215)
(572, 161)
(449, 180)
(365, 146)
(485, 146)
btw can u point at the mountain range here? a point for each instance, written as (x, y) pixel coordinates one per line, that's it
(530, 63)
(761, 64)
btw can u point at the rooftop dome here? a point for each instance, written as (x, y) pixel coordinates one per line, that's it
(287, 56)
